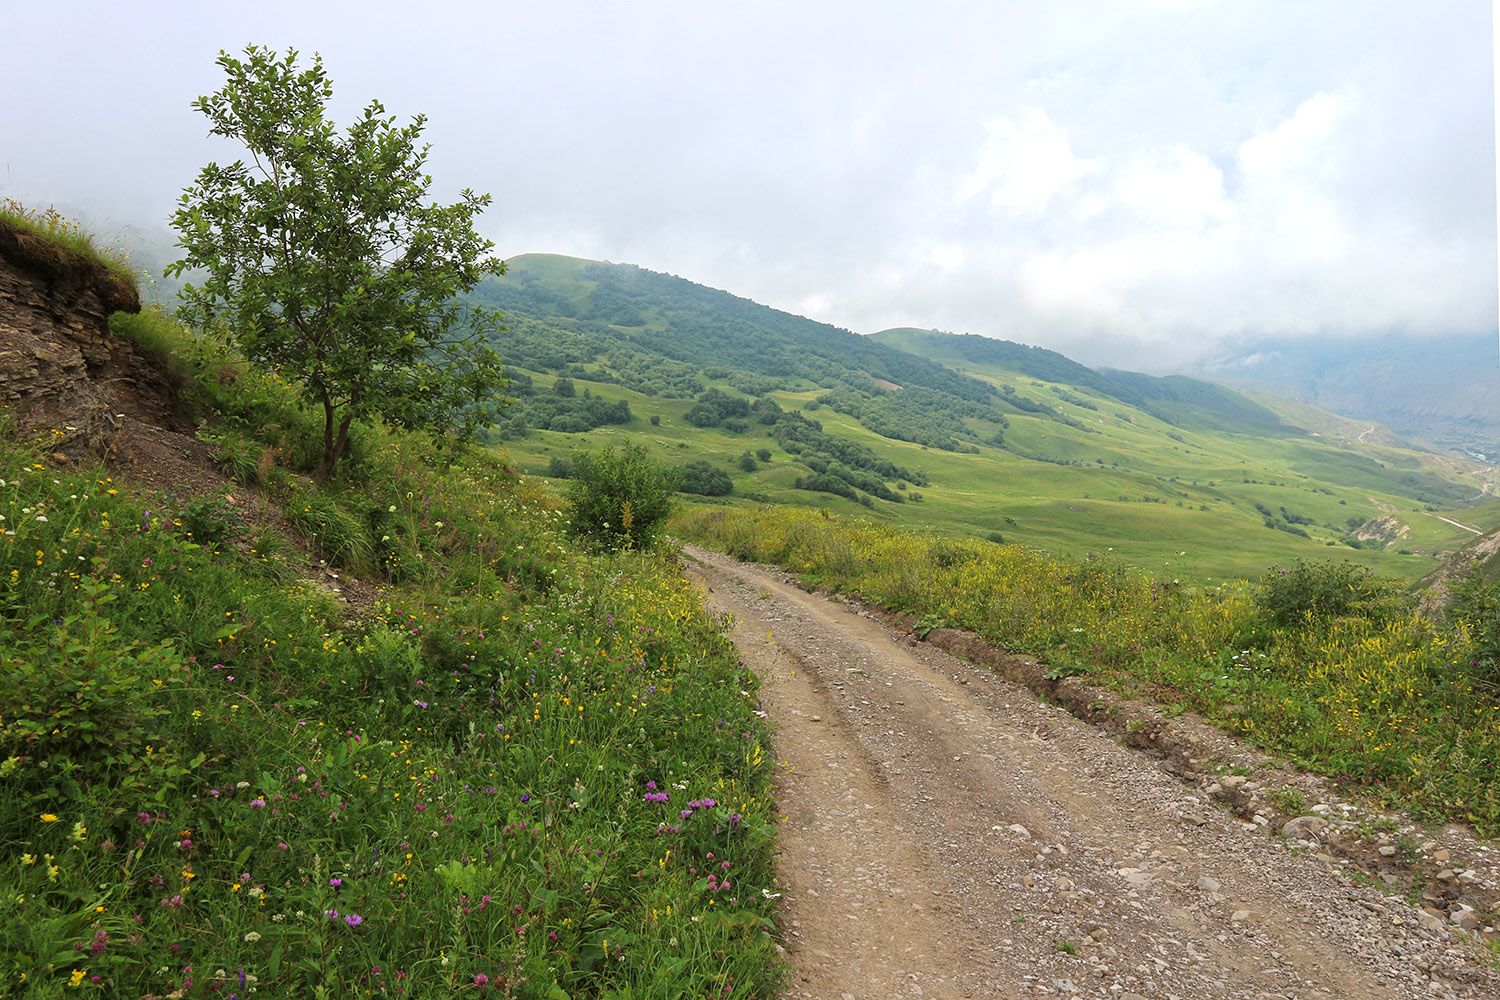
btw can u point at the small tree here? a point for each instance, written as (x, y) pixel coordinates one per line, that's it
(326, 262)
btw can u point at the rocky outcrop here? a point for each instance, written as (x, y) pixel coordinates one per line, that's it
(63, 376)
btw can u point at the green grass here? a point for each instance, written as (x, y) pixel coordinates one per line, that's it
(521, 763)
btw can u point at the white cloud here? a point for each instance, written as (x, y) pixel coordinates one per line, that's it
(1175, 188)
(1022, 163)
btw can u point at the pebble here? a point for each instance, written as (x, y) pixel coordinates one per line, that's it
(1208, 884)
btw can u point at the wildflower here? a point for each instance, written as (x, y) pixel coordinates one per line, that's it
(354, 919)
(51, 818)
(481, 980)
(253, 936)
(76, 977)
(335, 882)
(257, 803)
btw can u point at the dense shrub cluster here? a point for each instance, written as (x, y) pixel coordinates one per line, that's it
(701, 478)
(1320, 590)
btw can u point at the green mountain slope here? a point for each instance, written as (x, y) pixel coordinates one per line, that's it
(959, 434)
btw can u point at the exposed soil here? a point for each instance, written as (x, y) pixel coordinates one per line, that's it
(947, 834)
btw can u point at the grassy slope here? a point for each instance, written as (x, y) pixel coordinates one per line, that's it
(206, 763)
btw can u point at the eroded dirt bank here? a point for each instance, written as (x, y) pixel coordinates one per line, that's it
(947, 835)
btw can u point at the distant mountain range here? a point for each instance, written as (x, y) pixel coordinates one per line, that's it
(1441, 391)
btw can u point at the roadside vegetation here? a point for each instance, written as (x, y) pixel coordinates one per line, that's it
(1320, 662)
(506, 762)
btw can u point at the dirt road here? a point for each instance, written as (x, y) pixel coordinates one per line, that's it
(947, 835)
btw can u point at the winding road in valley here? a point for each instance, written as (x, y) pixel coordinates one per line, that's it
(946, 834)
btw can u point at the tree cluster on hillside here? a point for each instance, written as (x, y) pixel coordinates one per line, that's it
(1283, 520)
(921, 416)
(562, 408)
(650, 331)
(716, 408)
(701, 478)
(1025, 404)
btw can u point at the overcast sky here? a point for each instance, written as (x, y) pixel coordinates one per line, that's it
(1132, 183)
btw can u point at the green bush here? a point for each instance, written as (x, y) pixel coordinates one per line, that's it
(1475, 606)
(620, 498)
(210, 519)
(236, 455)
(1326, 589)
(703, 479)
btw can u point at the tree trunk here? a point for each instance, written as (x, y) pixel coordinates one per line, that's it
(325, 467)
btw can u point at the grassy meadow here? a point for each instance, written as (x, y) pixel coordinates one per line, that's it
(1170, 499)
(1319, 663)
(511, 765)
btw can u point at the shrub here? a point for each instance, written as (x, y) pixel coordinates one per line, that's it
(1474, 605)
(703, 479)
(559, 467)
(236, 455)
(620, 498)
(210, 519)
(1326, 589)
(747, 462)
